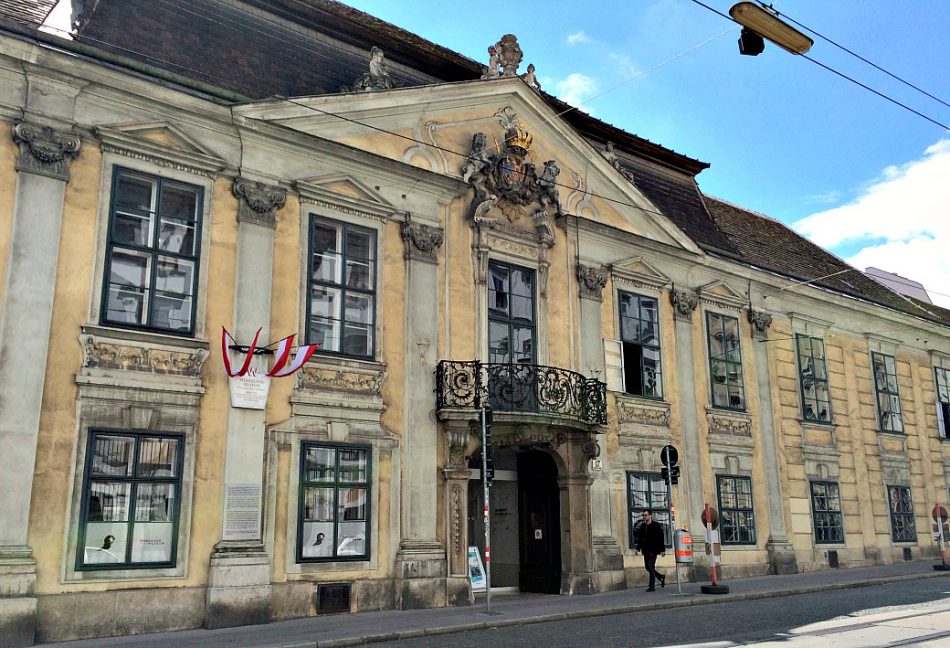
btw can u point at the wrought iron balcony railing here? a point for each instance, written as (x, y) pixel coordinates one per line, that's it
(528, 388)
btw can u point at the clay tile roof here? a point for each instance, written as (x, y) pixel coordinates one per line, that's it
(768, 244)
(31, 13)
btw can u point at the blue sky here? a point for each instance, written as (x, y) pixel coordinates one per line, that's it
(861, 176)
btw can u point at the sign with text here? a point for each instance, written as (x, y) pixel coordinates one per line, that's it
(242, 512)
(476, 571)
(250, 390)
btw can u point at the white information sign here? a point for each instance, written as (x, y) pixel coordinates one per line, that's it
(242, 512)
(250, 390)
(476, 571)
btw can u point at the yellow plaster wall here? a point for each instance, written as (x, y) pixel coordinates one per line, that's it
(8, 155)
(57, 433)
(392, 315)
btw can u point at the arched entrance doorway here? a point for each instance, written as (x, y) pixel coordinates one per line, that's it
(526, 528)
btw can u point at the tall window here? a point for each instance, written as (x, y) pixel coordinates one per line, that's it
(152, 254)
(826, 512)
(334, 502)
(725, 361)
(130, 501)
(813, 379)
(639, 330)
(511, 314)
(903, 528)
(888, 398)
(736, 517)
(942, 378)
(647, 491)
(342, 306)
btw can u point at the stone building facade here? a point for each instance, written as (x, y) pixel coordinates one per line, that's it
(484, 250)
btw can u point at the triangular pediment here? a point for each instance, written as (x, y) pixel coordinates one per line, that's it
(640, 272)
(344, 192)
(440, 139)
(722, 294)
(159, 140)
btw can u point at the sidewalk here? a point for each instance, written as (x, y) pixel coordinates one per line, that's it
(368, 627)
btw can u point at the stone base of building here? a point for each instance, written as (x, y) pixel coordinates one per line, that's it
(420, 576)
(239, 586)
(608, 566)
(574, 583)
(782, 558)
(17, 601)
(458, 591)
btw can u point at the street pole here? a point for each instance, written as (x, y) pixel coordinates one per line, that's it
(669, 498)
(486, 486)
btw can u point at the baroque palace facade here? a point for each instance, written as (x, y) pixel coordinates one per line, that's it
(451, 239)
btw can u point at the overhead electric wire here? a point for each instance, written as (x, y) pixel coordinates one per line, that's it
(432, 145)
(861, 58)
(843, 76)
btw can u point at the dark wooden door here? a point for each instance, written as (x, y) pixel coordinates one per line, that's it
(539, 523)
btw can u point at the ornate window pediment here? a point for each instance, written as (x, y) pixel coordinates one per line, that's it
(160, 143)
(639, 273)
(719, 293)
(345, 194)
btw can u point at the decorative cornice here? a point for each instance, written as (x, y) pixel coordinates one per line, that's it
(258, 203)
(761, 321)
(591, 282)
(101, 353)
(314, 194)
(313, 377)
(720, 294)
(684, 303)
(422, 241)
(44, 151)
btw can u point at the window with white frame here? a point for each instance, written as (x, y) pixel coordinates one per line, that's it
(888, 397)
(903, 528)
(334, 503)
(736, 514)
(813, 379)
(131, 501)
(152, 253)
(725, 361)
(826, 512)
(341, 309)
(640, 343)
(942, 379)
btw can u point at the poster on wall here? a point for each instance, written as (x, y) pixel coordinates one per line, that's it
(476, 571)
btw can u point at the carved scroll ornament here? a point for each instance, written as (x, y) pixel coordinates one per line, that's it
(684, 303)
(257, 202)
(591, 282)
(422, 241)
(761, 321)
(44, 151)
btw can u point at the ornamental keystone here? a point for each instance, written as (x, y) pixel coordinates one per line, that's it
(44, 151)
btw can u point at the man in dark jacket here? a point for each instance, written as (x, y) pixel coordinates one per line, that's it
(651, 543)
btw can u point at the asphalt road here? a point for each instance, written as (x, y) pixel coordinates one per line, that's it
(737, 621)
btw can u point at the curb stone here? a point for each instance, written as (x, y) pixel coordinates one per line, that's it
(623, 609)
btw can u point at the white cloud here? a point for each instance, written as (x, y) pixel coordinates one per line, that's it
(625, 65)
(577, 38)
(898, 223)
(575, 88)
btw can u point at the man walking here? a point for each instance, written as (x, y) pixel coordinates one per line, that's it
(651, 543)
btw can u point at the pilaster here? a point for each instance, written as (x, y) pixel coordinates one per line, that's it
(25, 320)
(421, 559)
(684, 305)
(239, 587)
(456, 474)
(781, 553)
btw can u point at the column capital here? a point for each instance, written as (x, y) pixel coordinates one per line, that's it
(761, 321)
(258, 203)
(44, 151)
(422, 241)
(684, 303)
(591, 282)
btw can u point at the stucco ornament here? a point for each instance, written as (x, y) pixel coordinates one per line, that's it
(44, 151)
(530, 78)
(761, 321)
(504, 57)
(610, 155)
(257, 202)
(378, 76)
(591, 282)
(507, 181)
(422, 241)
(684, 303)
